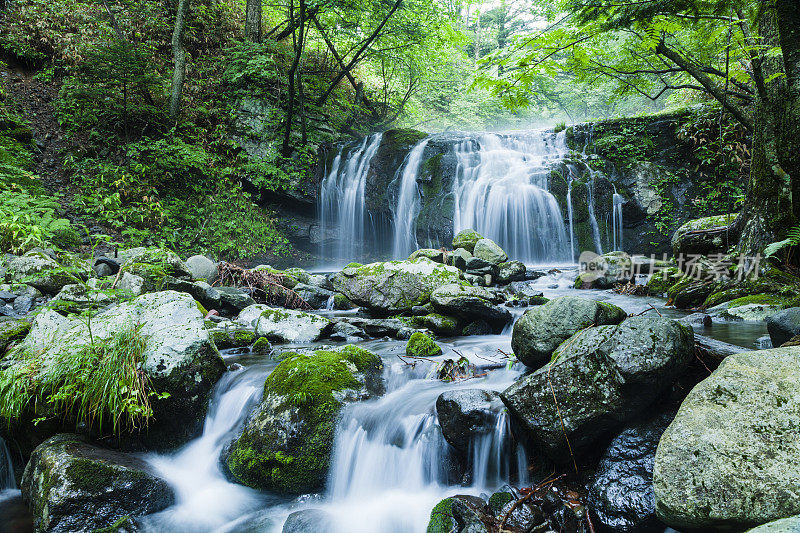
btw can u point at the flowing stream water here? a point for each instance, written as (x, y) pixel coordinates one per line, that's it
(407, 206)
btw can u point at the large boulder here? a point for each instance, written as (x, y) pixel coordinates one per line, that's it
(289, 325)
(784, 525)
(466, 414)
(621, 492)
(489, 251)
(315, 296)
(394, 286)
(71, 486)
(179, 358)
(784, 325)
(40, 271)
(287, 442)
(602, 378)
(166, 260)
(731, 458)
(541, 329)
(511, 271)
(466, 239)
(460, 514)
(470, 303)
(201, 267)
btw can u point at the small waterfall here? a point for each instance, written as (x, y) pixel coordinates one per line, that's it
(569, 215)
(341, 199)
(205, 499)
(501, 191)
(7, 481)
(494, 458)
(598, 243)
(329, 304)
(616, 213)
(407, 206)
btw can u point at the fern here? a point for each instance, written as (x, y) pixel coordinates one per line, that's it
(792, 239)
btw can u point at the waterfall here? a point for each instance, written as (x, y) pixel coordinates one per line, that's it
(407, 206)
(569, 215)
(598, 244)
(616, 214)
(493, 456)
(7, 481)
(500, 190)
(341, 199)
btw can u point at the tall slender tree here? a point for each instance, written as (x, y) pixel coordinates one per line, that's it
(179, 58)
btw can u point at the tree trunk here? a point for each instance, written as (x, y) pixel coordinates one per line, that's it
(286, 150)
(179, 56)
(252, 21)
(770, 206)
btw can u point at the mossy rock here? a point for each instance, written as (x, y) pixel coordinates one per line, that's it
(771, 281)
(660, 282)
(154, 276)
(286, 445)
(421, 345)
(12, 331)
(261, 345)
(466, 239)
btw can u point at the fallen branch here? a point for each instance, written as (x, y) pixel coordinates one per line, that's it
(269, 284)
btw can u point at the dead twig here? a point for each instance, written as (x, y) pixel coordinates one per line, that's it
(270, 284)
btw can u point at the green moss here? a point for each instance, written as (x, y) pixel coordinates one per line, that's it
(89, 476)
(538, 300)
(498, 500)
(261, 345)
(153, 275)
(341, 302)
(660, 282)
(354, 265)
(244, 337)
(203, 310)
(11, 331)
(420, 345)
(125, 523)
(442, 520)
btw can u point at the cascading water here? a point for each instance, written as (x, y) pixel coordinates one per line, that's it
(598, 243)
(616, 214)
(407, 206)
(341, 199)
(501, 191)
(7, 481)
(571, 218)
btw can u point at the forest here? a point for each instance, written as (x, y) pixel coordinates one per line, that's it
(456, 266)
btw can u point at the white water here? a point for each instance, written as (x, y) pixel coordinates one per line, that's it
(616, 213)
(570, 217)
(341, 200)
(501, 191)
(7, 481)
(407, 207)
(206, 501)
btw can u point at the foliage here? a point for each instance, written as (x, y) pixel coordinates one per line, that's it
(94, 384)
(792, 239)
(27, 221)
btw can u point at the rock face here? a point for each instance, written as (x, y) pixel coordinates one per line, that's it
(72, 486)
(470, 303)
(621, 493)
(731, 458)
(394, 286)
(784, 325)
(287, 442)
(467, 413)
(541, 329)
(602, 378)
(180, 358)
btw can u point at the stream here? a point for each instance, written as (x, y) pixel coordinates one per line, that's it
(390, 463)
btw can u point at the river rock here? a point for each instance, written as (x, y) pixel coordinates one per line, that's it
(130, 284)
(784, 325)
(287, 442)
(168, 261)
(511, 271)
(470, 303)
(71, 486)
(602, 378)
(289, 325)
(621, 493)
(442, 325)
(78, 297)
(731, 458)
(201, 267)
(541, 329)
(180, 357)
(316, 297)
(234, 300)
(309, 521)
(421, 345)
(437, 256)
(394, 286)
(703, 236)
(460, 514)
(466, 414)
(490, 251)
(40, 271)
(784, 525)
(12, 331)
(466, 239)
(208, 296)
(458, 258)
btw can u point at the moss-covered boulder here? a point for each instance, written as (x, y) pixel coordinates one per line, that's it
(394, 286)
(289, 325)
(71, 486)
(489, 251)
(421, 345)
(460, 514)
(179, 358)
(286, 444)
(602, 377)
(437, 256)
(466, 239)
(541, 329)
(169, 261)
(511, 271)
(230, 335)
(731, 458)
(659, 282)
(442, 325)
(470, 303)
(704, 236)
(12, 331)
(40, 271)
